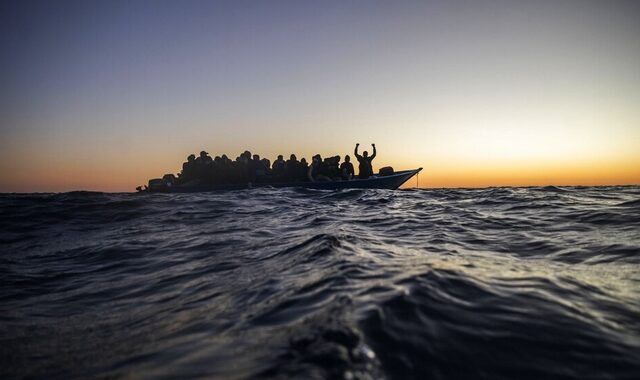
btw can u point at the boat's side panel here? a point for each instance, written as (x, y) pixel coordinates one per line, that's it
(388, 182)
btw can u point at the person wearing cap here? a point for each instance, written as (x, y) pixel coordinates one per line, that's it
(204, 158)
(202, 164)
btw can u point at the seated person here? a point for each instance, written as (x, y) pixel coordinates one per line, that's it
(301, 170)
(204, 158)
(346, 168)
(291, 168)
(267, 165)
(279, 169)
(188, 170)
(259, 169)
(316, 172)
(333, 167)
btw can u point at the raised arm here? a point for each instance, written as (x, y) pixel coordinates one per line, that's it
(374, 151)
(355, 152)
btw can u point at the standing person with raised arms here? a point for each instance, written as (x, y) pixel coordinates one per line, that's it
(365, 169)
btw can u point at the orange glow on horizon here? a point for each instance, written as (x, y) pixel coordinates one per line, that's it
(122, 173)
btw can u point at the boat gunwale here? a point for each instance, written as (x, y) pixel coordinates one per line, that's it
(319, 185)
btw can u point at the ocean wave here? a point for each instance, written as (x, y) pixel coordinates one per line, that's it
(506, 283)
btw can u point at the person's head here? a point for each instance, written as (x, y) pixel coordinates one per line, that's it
(365, 154)
(293, 157)
(191, 157)
(280, 157)
(347, 158)
(303, 161)
(225, 158)
(336, 159)
(246, 154)
(203, 154)
(256, 157)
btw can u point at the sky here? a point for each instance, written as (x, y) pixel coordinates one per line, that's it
(103, 95)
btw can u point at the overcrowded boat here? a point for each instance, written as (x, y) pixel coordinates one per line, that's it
(205, 173)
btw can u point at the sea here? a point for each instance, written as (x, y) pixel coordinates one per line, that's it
(496, 283)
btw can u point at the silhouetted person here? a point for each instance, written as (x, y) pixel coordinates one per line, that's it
(302, 170)
(279, 169)
(202, 165)
(323, 166)
(315, 172)
(346, 168)
(333, 167)
(188, 169)
(266, 164)
(365, 170)
(247, 165)
(259, 169)
(223, 170)
(204, 158)
(238, 170)
(291, 168)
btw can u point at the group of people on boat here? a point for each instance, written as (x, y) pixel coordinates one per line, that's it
(248, 168)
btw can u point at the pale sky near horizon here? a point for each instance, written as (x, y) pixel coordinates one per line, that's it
(103, 95)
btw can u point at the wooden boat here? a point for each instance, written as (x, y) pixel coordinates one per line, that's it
(390, 182)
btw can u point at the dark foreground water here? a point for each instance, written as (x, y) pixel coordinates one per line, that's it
(504, 283)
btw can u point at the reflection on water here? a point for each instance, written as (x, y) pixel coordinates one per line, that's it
(494, 283)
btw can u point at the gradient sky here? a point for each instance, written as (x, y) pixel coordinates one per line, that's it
(102, 95)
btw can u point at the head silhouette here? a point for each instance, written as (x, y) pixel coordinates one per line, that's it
(293, 157)
(347, 158)
(365, 154)
(191, 157)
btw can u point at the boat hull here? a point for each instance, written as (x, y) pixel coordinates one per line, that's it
(390, 182)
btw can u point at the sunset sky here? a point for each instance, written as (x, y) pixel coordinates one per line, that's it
(103, 95)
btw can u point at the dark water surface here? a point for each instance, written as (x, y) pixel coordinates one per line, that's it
(503, 283)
